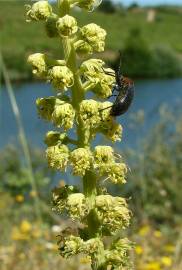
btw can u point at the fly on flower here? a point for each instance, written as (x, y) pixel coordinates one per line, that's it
(125, 88)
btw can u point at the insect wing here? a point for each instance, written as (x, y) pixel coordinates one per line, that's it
(95, 5)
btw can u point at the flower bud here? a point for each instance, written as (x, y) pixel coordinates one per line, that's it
(50, 26)
(112, 212)
(76, 206)
(116, 172)
(70, 246)
(92, 246)
(63, 115)
(52, 138)
(61, 77)
(38, 62)
(83, 48)
(57, 156)
(89, 113)
(103, 85)
(90, 67)
(105, 108)
(103, 155)
(45, 107)
(39, 11)
(94, 35)
(67, 26)
(60, 196)
(118, 255)
(114, 132)
(100, 82)
(81, 160)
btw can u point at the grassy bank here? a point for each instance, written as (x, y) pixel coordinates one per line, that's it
(18, 38)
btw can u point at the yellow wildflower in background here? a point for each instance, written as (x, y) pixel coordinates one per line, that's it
(166, 261)
(169, 248)
(139, 250)
(25, 226)
(19, 198)
(33, 193)
(152, 266)
(157, 234)
(144, 230)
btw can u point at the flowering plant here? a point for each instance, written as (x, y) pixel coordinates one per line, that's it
(102, 216)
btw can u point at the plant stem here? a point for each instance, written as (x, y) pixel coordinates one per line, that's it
(83, 136)
(89, 180)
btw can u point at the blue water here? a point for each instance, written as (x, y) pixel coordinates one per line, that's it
(149, 96)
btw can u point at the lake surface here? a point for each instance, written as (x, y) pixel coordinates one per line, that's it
(149, 96)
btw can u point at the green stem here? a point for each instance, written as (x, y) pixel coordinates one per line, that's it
(83, 135)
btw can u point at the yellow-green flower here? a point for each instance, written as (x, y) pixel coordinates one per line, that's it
(61, 77)
(50, 26)
(76, 206)
(117, 255)
(39, 11)
(96, 79)
(114, 172)
(52, 138)
(81, 160)
(89, 113)
(58, 156)
(67, 26)
(38, 62)
(114, 132)
(94, 35)
(112, 212)
(91, 67)
(70, 246)
(103, 155)
(83, 48)
(63, 115)
(45, 107)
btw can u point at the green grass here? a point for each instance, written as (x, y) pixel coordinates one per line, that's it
(19, 39)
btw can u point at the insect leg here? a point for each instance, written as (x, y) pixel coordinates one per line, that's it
(105, 108)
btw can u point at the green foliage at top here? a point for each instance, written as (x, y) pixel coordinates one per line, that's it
(18, 38)
(141, 60)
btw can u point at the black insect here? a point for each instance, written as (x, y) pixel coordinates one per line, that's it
(125, 88)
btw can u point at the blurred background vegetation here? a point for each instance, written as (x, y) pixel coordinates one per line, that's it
(150, 39)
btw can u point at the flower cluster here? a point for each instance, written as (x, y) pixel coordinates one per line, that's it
(96, 78)
(99, 214)
(59, 112)
(112, 212)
